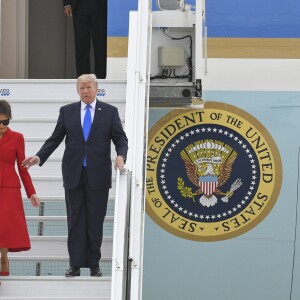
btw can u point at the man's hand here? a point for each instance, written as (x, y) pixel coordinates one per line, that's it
(119, 163)
(30, 161)
(68, 11)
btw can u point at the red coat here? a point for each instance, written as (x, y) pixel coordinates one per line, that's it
(13, 228)
(12, 149)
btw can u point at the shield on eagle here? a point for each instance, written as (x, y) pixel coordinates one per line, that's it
(208, 184)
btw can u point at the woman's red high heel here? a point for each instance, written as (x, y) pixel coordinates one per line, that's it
(5, 273)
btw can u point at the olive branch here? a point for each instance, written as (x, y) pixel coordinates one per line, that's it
(185, 191)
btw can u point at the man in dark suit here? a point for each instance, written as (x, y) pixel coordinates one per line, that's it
(90, 23)
(88, 127)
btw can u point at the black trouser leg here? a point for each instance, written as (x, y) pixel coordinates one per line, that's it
(76, 213)
(99, 37)
(82, 34)
(96, 211)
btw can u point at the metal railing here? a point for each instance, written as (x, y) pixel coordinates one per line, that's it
(121, 236)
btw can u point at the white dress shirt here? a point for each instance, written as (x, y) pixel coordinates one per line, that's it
(83, 111)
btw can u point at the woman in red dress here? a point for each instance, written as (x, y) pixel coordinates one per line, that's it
(13, 229)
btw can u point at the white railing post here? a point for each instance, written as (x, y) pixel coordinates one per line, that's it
(120, 236)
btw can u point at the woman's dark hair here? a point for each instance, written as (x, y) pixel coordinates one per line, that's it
(5, 108)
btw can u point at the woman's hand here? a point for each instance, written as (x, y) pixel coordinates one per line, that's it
(35, 201)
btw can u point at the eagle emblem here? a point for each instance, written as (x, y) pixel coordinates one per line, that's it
(208, 165)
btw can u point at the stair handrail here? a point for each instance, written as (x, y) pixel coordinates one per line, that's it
(120, 235)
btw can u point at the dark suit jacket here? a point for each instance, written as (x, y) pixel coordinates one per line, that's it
(106, 127)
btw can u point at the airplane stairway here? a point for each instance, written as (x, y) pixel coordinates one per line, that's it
(39, 273)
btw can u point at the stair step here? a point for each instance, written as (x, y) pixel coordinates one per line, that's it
(33, 144)
(53, 227)
(57, 225)
(56, 247)
(49, 108)
(52, 167)
(59, 90)
(54, 186)
(31, 127)
(45, 287)
(57, 218)
(57, 207)
(50, 266)
(57, 198)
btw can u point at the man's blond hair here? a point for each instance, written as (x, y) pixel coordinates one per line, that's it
(85, 78)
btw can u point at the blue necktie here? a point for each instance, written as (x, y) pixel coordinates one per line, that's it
(87, 124)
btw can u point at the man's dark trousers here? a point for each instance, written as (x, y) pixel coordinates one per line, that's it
(86, 209)
(90, 23)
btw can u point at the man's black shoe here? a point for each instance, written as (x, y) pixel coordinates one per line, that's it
(72, 272)
(95, 272)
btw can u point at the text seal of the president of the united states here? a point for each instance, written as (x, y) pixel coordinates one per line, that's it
(212, 174)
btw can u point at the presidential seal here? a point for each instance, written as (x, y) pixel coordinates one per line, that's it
(212, 174)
